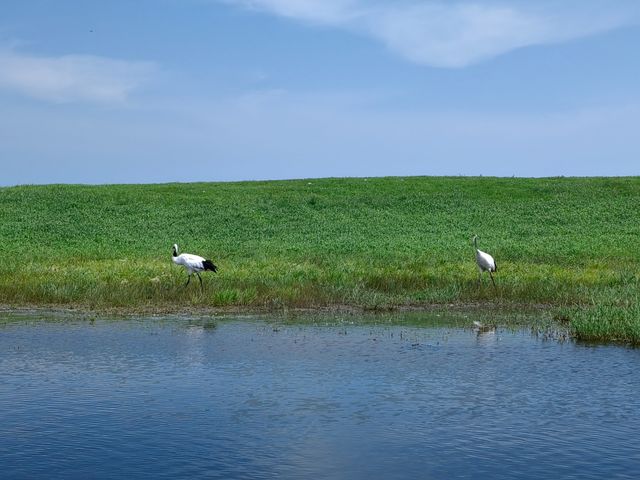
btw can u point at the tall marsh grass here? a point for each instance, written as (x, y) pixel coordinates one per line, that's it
(566, 243)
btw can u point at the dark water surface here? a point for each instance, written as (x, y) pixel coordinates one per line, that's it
(247, 398)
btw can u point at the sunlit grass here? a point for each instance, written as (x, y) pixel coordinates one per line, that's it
(564, 244)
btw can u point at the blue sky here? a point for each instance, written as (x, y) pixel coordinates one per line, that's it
(208, 90)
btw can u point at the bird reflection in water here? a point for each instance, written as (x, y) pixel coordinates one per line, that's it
(485, 334)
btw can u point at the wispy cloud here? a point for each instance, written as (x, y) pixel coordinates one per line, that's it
(457, 33)
(316, 11)
(72, 78)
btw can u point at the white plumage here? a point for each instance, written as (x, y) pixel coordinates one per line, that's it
(485, 262)
(193, 264)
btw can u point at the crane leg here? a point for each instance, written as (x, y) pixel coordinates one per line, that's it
(188, 280)
(200, 278)
(492, 280)
(479, 278)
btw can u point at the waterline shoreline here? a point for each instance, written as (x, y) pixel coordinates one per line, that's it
(536, 320)
(147, 310)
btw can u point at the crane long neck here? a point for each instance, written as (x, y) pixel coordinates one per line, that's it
(475, 243)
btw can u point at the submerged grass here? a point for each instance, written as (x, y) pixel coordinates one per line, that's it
(568, 244)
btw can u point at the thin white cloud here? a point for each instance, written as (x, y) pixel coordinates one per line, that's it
(457, 33)
(72, 78)
(316, 11)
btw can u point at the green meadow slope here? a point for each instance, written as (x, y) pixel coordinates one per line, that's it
(571, 245)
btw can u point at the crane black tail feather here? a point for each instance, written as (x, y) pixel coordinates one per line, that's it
(209, 266)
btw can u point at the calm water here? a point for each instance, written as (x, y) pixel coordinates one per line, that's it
(245, 398)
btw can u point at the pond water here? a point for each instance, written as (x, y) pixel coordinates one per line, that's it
(255, 398)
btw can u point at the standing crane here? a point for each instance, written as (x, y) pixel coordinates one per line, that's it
(193, 264)
(485, 262)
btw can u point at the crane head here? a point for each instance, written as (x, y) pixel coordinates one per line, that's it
(175, 249)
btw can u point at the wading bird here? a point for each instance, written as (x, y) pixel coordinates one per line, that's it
(485, 262)
(193, 264)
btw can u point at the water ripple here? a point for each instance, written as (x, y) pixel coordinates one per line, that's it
(246, 400)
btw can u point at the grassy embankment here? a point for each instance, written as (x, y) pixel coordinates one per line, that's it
(570, 245)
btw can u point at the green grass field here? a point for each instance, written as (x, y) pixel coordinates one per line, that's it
(570, 246)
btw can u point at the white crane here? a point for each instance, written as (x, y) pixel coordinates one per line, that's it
(485, 262)
(193, 264)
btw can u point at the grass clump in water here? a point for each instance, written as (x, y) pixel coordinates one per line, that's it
(606, 322)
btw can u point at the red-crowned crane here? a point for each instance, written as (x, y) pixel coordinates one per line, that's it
(193, 264)
(485, 262)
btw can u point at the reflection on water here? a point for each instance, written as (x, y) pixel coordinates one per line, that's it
(255, 399)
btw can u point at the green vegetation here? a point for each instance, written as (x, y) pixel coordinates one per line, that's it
(570, 246)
